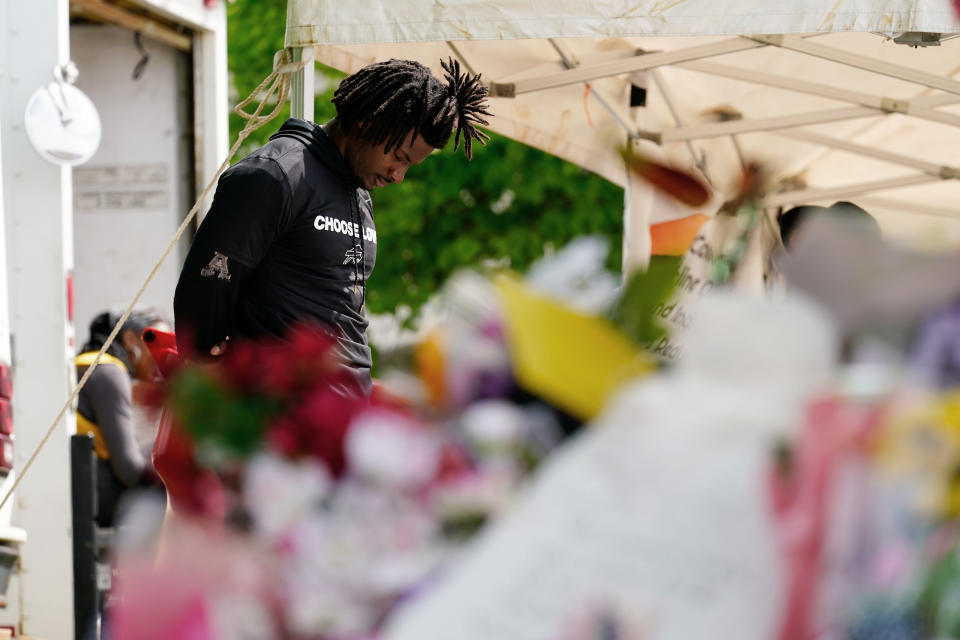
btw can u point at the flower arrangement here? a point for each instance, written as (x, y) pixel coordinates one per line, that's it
(337, 506)
(312, 511)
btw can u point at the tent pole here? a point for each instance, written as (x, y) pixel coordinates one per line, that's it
(731, 127)
(635, 238)
(901, 206)
(929, 168)
(570, 62)
(587, 73)
(302, 86)
(917, 108)
(638, 204)
(462, 58)
(803, 196)
(667, 95)
(866, 63)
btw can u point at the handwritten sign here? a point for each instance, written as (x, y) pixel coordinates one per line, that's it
(695, 279)
(661, 508)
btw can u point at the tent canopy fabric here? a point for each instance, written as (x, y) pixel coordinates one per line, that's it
(312, 22)
(832, 109)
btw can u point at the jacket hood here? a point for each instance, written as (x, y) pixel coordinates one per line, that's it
(312, 136)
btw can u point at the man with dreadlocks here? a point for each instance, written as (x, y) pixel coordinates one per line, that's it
(291, 237)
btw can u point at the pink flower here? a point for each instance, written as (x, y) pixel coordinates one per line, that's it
(454, 462)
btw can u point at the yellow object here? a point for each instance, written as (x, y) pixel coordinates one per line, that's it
(84, 424)
(430, 366)
(86, 359)
(573, 360)
(923, 442)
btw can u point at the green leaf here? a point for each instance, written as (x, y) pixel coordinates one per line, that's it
(645, 296)
(213, 415)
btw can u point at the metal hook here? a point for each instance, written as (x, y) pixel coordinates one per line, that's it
(66, 72)
(144, 56)
(63, 74)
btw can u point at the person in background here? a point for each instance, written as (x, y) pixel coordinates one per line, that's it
(792, 221)
(105, 407)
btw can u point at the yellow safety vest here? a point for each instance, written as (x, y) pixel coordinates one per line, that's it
(84, 424)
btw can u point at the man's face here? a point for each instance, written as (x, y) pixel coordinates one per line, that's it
(375, 167)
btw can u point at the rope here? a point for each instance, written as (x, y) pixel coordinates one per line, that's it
(279, 88)
(586, 103)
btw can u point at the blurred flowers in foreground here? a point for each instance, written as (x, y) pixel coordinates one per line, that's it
(338, 506)
(757, 485)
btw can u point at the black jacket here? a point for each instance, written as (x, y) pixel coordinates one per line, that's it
(290, 238)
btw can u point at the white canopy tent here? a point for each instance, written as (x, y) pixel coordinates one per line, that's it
(829, 97)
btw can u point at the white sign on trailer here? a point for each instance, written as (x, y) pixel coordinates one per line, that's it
(130, 188)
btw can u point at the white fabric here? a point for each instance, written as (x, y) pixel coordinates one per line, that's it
(367, 21)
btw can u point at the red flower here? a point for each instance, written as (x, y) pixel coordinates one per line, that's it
(311, 358)
(284, 437)
(264, 367)
(317, 426)
(454, 462)
(283, 368)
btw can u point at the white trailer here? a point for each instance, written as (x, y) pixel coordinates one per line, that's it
(100, 226)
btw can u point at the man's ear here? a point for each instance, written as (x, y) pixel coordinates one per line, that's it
(128, 338)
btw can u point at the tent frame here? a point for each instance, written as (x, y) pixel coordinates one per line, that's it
(693, 59)
(697, 58)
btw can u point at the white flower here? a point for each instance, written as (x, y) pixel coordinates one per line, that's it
(279, 493)
(323, 577)
(314, 608)
(495, 425)
(391, 450)
(241, 617)
(486, 493)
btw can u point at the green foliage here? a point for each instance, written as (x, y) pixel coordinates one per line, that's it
(509, 205)
(635, 310)
(255, 30)
(235, 422)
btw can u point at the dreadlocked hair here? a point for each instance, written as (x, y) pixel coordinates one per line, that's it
(395, 97)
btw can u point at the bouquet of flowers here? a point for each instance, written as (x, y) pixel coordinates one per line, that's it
(334, 507)
(337, 505)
